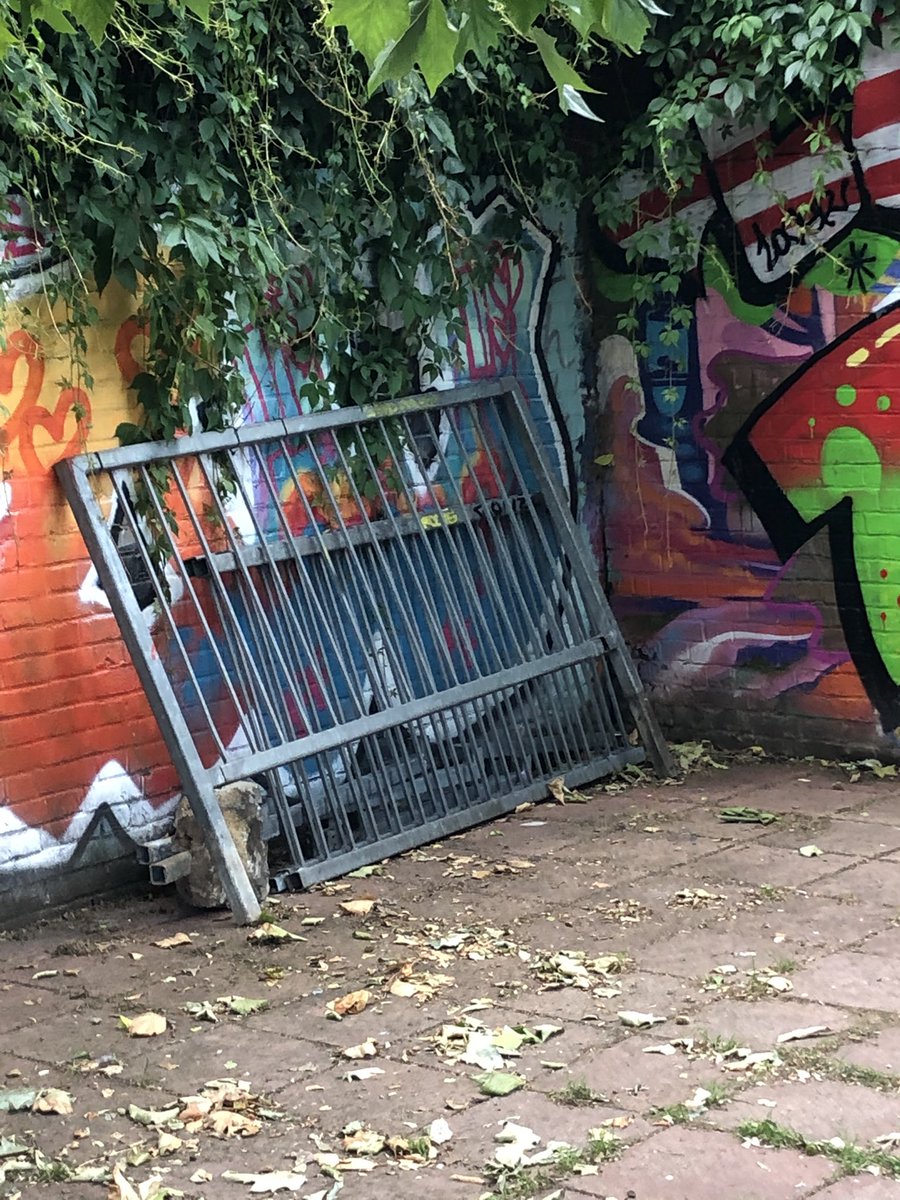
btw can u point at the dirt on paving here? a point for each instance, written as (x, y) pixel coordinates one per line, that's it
(625, 996)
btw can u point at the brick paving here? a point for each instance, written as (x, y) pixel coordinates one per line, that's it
(641, 901)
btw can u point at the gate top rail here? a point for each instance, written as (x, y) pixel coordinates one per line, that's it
(315, 422)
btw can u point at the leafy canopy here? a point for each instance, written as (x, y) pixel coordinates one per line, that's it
(308, 170)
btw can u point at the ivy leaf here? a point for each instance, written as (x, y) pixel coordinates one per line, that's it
(94, 15)
(130, 434)
(7, 37)
(523, 13)
(734, 97)
(480, 32)
(53, 15)
(569, 83)
(372, 25)
(624, 22)
(200, 8)
(430, 42)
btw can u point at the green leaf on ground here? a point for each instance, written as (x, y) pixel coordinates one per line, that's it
(499, 1083)
(739, 814)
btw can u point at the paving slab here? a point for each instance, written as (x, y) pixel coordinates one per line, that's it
(758, 1023)
(879, 1052)
(694, 1164)
(818, 1108)
(876, 882)
(841, 835)
(475, 1130)
(771, 866)
(861, 1187)
(642, 1082)
(855, 979)
(834, 921)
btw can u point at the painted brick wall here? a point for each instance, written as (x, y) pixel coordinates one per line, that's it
(79, 751)
(741, 489)
(82, 768)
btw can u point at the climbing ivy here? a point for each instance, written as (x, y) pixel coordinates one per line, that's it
(309, 170)
(231, 175)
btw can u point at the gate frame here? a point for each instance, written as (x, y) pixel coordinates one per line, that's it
(198, 782)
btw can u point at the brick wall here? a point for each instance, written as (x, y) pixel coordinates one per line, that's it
(79, 750)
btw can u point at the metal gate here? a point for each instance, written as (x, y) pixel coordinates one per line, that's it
(384, 614)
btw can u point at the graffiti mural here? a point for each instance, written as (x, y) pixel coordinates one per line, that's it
(743, 498)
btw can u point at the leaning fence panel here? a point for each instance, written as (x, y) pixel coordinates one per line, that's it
(383, 614)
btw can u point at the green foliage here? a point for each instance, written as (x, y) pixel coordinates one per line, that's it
(396, 37)
(242, 166)
(231, 176)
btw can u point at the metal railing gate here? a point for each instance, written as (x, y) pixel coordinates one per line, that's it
(385, 614)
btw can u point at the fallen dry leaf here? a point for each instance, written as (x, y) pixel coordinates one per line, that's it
(439, 1132)
(268, 1181)
(358, 908)
(403, 988)
(195, 1108)
(348, 1005)
(150, 1189)
(148, 1024)
(177, 939)
(269, 932)
(499, 1083)
(808, 1031)
(748, 1061)
(226, 1123)
(639, 1020)
(810, 851)
(363, 1073)
(363, 1141)
(151, 1116)
(334, 1165)
(779, 983)
(53, 1100)
(366, 1049)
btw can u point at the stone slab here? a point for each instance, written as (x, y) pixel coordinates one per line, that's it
(849, 978)
(818, 1108)
(695, 1164)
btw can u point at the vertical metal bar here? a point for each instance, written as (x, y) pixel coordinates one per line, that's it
(238, 889)
(491, 569)
(157, 578)
(303, 650)
(331, 581)
(463, 574)
(620, 659)
(422, 540)
(388, 578)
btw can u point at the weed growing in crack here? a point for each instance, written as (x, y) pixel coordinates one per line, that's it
(521, 1183)
(687, 1111)
(784, 966)
(821, 1063)
(577, 1093)
(850, 1158)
